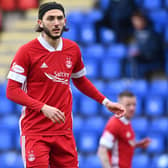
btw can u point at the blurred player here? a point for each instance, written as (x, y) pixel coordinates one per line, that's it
(39, 79)
(117, 144)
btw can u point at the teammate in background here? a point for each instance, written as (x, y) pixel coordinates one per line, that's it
(117, 144)
(39, 79)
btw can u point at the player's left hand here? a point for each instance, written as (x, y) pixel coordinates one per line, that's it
(144, 143)
(116, 108)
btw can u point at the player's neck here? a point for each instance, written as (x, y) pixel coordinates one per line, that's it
(53, 43)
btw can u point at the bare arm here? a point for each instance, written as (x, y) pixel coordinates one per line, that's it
(144, 143)
(103, 156)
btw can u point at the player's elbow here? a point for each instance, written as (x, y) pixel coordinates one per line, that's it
(8, 94)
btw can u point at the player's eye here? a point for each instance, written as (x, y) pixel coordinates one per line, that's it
(60, 17)
(50, 18)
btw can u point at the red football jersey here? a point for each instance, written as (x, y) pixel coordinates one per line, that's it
(119, 138)
(45, 74)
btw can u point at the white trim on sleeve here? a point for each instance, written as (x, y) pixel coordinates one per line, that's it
(16, 77)
(107, 140)
(79, 74)
(105, 101)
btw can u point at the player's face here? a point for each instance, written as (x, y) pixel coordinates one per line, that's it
(53, 23)
(130, 105)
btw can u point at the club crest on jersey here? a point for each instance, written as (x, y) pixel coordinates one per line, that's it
(17, 68)
(68, 62)
(31, 156)
(128, 134)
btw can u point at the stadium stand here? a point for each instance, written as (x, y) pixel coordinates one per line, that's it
(104, 63)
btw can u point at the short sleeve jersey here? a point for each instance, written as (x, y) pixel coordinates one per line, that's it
(119, 138)
(45, 74)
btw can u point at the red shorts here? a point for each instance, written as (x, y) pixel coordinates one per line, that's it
(58, 151)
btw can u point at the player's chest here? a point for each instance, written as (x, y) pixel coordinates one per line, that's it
(52, 66)
(128, 136)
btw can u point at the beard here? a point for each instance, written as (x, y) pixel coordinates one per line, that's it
(46, 30)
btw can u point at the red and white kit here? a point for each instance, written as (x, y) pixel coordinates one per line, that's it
(119, 138)
(44, 75)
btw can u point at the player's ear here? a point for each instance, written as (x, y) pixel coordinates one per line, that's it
(39, 21)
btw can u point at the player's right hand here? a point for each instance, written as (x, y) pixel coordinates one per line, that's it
(116, 108)
(54, 114)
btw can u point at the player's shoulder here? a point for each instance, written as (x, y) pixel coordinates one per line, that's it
(69, 43)
(31, 44)
(113, 121)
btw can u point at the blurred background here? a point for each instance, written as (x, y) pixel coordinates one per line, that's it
(124, 44)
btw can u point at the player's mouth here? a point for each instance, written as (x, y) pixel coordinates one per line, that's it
(57, 30)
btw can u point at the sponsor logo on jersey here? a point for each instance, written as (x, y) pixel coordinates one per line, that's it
(44, 65)
(31, 156)
(17, 68)
(60, 77)
(68, 62)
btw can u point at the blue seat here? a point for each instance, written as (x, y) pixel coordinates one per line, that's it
(10, 123)
(10, 160)
(140, 125)
(166, 36)
(154, 106)
(159, 87)
(6, 142)
(159, 125)
(115, 87)
(75, 18)
(6, 106)
(92, 16)
(166, 3)
(92, 68)
(3, 89)
(75, 105)
(100, 85)
(19, 162)
(87, 34)
(18, 109)
(88, 107)
(139, 106)
(95, 51)
(141, 161)
(92, 161)
(104, 4)
(139, 87)
(117, 51)
(157, 145)
(17, 141)
(81, 159)
(75, 92)
(160, 161)
(94, 124)
(107, 36)
(159, 18)
(77, 124)
(155, 4)
(72, 34)
(88, 142)
(111, 69)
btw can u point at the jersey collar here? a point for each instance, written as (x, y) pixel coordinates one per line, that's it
(124, 120)
(47, 46)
